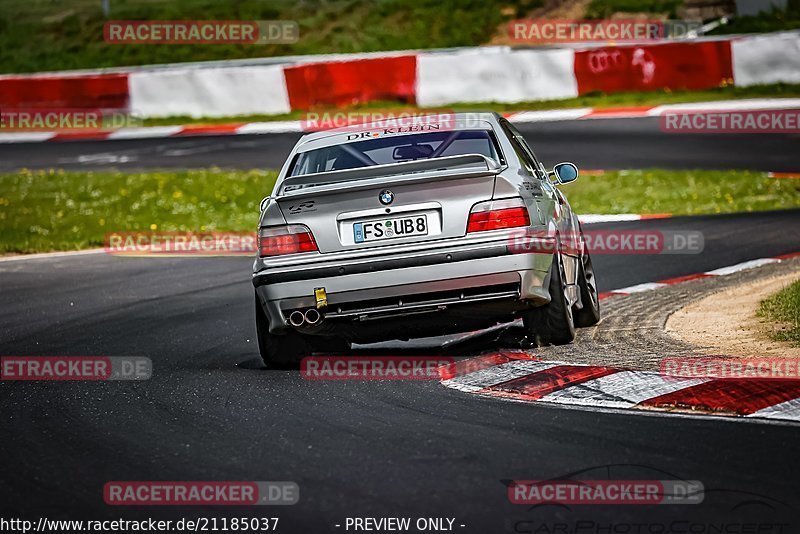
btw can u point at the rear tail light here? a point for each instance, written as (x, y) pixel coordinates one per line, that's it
(281, 240)
(498, 214)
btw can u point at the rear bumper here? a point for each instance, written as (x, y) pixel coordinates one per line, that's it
(436, 278)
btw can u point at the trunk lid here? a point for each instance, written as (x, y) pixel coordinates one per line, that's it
(391, 204)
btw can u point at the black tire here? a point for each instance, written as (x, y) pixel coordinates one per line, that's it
(278, 351)
(286, 350)
(552, 324)
(589, 314)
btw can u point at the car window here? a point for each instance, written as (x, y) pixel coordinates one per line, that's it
(395, 149)
(530, 158)
(525, 159)
(528, 150)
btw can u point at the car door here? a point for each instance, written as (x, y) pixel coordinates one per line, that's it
(531, 189)
(555, 202)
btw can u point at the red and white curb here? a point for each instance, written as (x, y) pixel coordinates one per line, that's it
(556, 115)
(744, 266)
(522, 377)
(591, 218)
(517, 376)
(784, 175)
(296, 126)
(155, 132)
(51, 255)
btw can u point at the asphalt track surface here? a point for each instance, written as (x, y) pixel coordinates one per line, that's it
(356, 449)
(591, 144)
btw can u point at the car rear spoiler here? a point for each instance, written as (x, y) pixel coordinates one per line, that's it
(424, 170)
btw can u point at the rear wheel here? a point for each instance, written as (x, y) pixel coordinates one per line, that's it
(589, 314)
(552, 324)
(286, 350)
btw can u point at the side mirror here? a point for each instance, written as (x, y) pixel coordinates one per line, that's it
(264, 202)
(565, 172)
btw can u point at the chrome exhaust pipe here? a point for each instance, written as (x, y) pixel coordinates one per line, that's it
(296, 318)
(312, 316)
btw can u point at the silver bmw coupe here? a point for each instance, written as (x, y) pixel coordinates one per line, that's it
(407, 229)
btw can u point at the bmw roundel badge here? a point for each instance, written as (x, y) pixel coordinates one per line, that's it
(386, 197)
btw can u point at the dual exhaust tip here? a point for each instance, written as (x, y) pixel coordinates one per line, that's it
(311, 317)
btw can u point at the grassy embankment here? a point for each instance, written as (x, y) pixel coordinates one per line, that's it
(56, 210)
(783, 309)
(69, 33)
(335, 116)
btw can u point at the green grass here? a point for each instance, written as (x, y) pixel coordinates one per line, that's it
(770, 21)
(598, 100)
(682, 192)
(56, 210)
(69, 33)
(42, 35)
(601, 9)
(783, 309)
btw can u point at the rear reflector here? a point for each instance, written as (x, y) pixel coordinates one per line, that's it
(281, 240)
(498, 214)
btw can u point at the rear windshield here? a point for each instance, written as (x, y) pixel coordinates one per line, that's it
(395, 149)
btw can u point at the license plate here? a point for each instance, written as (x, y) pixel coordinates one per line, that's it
(390, 228)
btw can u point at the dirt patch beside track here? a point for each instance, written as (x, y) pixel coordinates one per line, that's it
(726, 322)
(633, 331)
